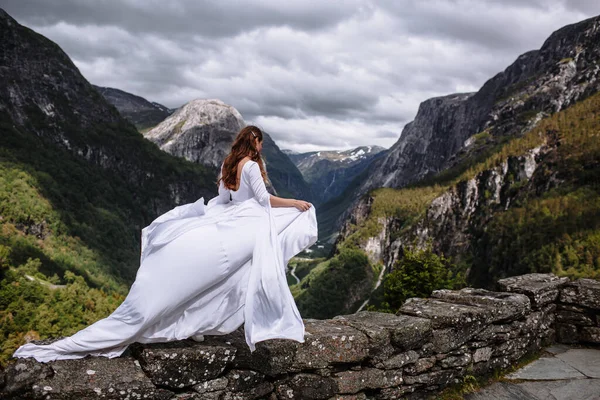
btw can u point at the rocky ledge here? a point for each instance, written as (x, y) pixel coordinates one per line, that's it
(429, 344)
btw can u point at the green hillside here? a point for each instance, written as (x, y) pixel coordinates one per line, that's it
(553, 225)
(77, 185)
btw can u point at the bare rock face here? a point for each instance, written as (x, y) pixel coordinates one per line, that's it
(548, 80)
(451, 129)
(201, 131)
(137, 110)
(425, 143)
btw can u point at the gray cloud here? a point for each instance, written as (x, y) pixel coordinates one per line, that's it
(209, 18)
(316, 75)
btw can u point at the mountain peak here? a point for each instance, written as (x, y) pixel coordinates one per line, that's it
(201, 131)
(136, 109)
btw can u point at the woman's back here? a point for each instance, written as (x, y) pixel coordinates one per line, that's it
(244, 191)
(251, 184)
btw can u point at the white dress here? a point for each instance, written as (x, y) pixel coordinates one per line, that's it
(205, 269)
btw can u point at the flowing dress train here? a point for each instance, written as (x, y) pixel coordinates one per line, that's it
(205, 269)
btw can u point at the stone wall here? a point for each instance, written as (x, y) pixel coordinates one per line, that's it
(578, 312)
(428, 345)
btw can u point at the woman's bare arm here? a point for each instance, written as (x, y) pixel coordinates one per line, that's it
(281, 202)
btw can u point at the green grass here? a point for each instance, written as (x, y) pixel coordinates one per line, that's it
(556, 230)
(75, 220)
(325, 290)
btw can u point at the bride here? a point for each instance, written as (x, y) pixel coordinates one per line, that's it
(208, 269)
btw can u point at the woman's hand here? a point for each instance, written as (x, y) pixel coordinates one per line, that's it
(302, 205)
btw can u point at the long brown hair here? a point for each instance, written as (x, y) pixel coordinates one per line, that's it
(243, 145)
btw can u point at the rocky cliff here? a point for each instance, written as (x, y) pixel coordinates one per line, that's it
(137, 110)
(518, 194)
(101, 179)
(456, 130)
(429, 345)
(202, 132)
(563, 71)
(533, 206)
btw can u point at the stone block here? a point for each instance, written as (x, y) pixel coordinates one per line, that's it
(93, 377)
(453, 324)
(213, 385)
(21, 375)
(306, 386)
(399, 360)
(540, 288)
(456, 361)
(482, 354)
(183, 363)
(259, 391)
(327, 342)
(420, 366)
(241, 380)
(512, 346)
(404, 332)
(396, 393)
(442, 378)
(503, 306)
(349, 382)
(566, 333)
(575, 318)
(582, 292)
(590, 334)
(498, 333)
(377, 327)
(357, 396)
(443, 314)
(539, 320)
(271, 357)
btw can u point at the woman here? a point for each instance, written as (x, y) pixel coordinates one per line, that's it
(208, 269)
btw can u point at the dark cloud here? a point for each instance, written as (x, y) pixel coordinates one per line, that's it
(316, 75)
(209, 18)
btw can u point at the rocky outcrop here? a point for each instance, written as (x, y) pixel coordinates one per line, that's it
(137, 110)
(440, 128)
(202, 131)
(429, 344)
(449, 220)
(104, 180)
(578, 312)
(565, 70)
(44, 95)
(455, 130)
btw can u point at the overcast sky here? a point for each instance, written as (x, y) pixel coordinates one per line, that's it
(315, 74)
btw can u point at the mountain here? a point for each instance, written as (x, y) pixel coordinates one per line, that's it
(330, 172)
(77, 185)
(137, 110)
(538, 83)
(202, 132)
(501, 182)
(449, 131)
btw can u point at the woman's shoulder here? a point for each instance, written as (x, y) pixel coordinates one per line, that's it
(245, 161)
(250, 162)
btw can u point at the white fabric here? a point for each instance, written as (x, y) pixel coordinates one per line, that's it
(205, 269)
